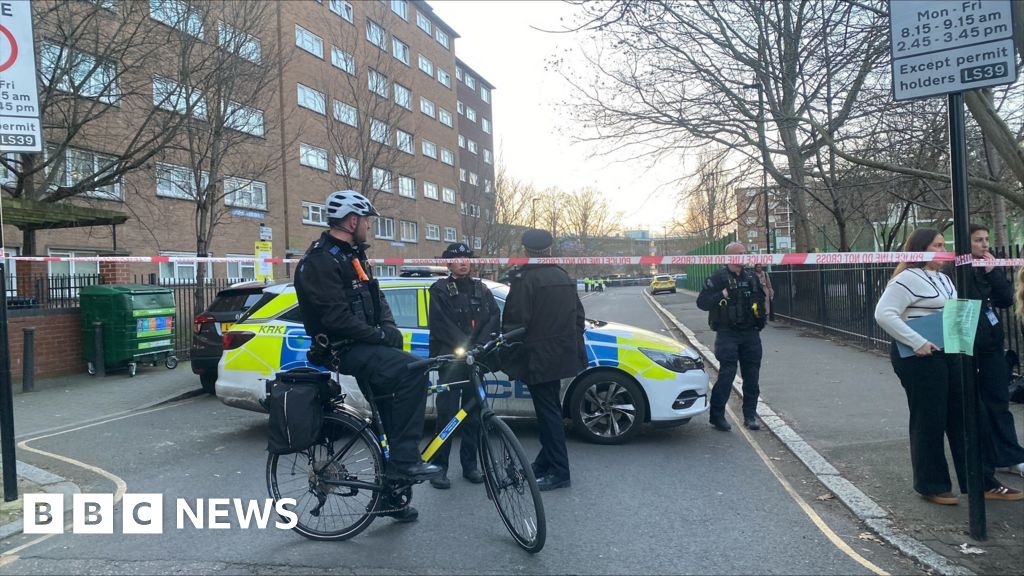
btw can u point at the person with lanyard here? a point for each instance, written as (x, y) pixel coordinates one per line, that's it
(992, 372)
(930, 378)
(463, 313)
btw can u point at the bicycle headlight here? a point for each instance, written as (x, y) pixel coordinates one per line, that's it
(674, 362)
(460, 352)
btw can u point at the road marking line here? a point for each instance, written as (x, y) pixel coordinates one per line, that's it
(836, 540)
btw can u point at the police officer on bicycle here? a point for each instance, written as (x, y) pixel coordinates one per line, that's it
(734, 299)
(463, 313)
(342, 303)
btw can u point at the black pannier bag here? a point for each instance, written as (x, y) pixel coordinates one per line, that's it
(296, 400)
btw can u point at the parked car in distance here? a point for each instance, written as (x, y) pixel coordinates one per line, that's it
(208, 328)
(663, 283)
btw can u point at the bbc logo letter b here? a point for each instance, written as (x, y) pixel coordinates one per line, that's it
(92, 514)
(43, 513)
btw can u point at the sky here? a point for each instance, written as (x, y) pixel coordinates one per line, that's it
(504, 42)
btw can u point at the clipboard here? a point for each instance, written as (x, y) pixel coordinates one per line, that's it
(930, 327)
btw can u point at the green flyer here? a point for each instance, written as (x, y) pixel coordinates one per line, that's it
(959, 324)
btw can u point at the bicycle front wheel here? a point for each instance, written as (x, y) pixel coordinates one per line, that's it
(325, 510)
(511, 484)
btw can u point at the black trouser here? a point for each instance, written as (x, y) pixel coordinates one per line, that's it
(554, 456)
(383, 371)
(448, 404)
(732, 348)
(993, 379)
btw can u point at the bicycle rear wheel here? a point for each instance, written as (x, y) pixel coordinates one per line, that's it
(325, 511)
(511, 484)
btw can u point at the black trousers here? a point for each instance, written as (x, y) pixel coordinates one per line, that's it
(993, 379)
(383, 371)
(554, 455)
(448, 404)
(732, 348)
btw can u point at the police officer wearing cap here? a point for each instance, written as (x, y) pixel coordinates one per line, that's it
(341, 303)
(734, 299)
(463, 313)
(543, 299)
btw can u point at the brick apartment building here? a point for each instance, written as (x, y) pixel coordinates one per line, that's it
(365, 95)
(750, 225)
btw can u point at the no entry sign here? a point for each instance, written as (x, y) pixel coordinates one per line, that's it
(20, 128)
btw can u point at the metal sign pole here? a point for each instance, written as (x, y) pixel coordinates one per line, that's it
(6, 398)
(964, 283)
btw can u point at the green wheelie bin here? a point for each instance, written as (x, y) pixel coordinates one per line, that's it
(138, 325)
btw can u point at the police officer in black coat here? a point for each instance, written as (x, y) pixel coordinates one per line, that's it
(341, 302)
(542, 298)
(463, 313)
(734, 299)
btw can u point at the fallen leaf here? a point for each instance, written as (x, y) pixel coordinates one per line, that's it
(868, 536)
(966, 548)
(826, 496)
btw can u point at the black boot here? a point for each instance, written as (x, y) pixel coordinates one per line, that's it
(441, 482)
(719, 422)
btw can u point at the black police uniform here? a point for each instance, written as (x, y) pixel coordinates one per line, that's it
(463, 313)
(1000, 448)
(737, 320)
(351, 311)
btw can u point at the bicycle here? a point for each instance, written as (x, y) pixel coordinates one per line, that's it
(341, 483)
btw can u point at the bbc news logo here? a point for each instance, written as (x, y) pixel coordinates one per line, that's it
(144, 513)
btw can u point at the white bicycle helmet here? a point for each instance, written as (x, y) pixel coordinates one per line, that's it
(345, 202)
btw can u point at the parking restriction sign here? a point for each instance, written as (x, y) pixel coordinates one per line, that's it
(20, 128)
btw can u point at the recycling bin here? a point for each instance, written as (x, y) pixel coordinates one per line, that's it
(138, 325)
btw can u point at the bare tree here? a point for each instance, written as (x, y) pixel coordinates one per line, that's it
(711, 203)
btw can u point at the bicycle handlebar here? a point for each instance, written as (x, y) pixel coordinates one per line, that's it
(479, 350)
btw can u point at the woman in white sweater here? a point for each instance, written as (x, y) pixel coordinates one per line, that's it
(930, 378)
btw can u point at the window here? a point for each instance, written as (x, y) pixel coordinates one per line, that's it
(242, 270)
(244, 118)
(70, 288)
(427, 107)
(376, 34)
(460, 107)
(445, 117)
(430, 190)
(345, 113)
(462, 208)
(410, 231)
(447, 157)
(79, 165)
(442, 38)
(477, 244)
(487, 156)
(378, 83)
(384, 227)
(399, 7)
(311, 99)
(472, 146)
(485, 124)
(470, 81)
(346, 166)
(449, 195)
(381, 179)
(429, 149)
(315, 214)
(404, 142)
(474, 179)
(81, 74)
(450, 234)
(407, 186)
(384, 272)
(403, 96)
(379, 131)
(444, 78)
(309, 42)
(485, 94)
(313, 157)
(462, 174)
(751, 234)
(488, 186)
(462, 141)
(170, 95)
(343, 60)
(423, 22)
(458, 73)
(245, 193)
(470, 114)
(432, 232)
(404, 304)
(181, 272)
(177, 14)
(341, 8)
(426, 65)
(173, 181)
(400, 50)
(237, 42)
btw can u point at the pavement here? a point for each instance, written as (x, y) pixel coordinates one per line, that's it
(841, 410)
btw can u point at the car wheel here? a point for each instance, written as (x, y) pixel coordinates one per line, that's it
(673, 290)
(607, 408)
(209, 382)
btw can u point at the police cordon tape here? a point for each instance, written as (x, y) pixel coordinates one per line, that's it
(806, 258)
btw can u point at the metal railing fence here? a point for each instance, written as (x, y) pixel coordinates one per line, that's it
(47, 291)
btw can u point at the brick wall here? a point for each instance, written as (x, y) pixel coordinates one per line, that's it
(58, 341)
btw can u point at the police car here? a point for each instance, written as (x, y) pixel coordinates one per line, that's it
(634, 376)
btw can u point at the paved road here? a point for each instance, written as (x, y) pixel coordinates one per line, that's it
(682, 500)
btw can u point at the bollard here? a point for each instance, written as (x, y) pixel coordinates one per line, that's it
(28, 364)
(97, 340)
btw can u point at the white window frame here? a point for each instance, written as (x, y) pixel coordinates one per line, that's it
(444, 77)
(488, 186)
(382, 180)
(174, 97)
(458, 73)
(410, 231)
(380, 132)
(384, 228)
(309, 42)
(377, 83)
(423, 23)
(71, 268)
(407, 187)
(450, 234)
(182, 185)
(244, 119)
(343, 60)
(69, 175)
(430, 190)
(310, 156)
(485, 94)
(403, 96)
(474, 180)
(470, 114)
(429, 149)
(400, 50)
(431, 232)
(346, 113)
(400, 7)
(477, 243)
(245, 193)
(447, 157)
(445, 117)
(472, 146)
(485, 125)
(239, 271)
(462, 141)
(342, 8)
(460, 107)
(427, 107)
(177, 14)
(448, 195)
(462, 174)
(78, 73)
(442, 38)
(405, 141)
(425, 65)
(385, 271)
(238, 42)
(470, 82)
(376, 34)
(314, 214)
(311, 99)
(488, 159)
(346, 166)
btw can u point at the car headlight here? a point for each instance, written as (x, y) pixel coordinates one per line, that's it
(674, 362)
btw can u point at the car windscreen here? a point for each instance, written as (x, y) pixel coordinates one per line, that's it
(662, 278)
(234, 301)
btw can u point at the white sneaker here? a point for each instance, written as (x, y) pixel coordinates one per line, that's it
(1017, 469)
